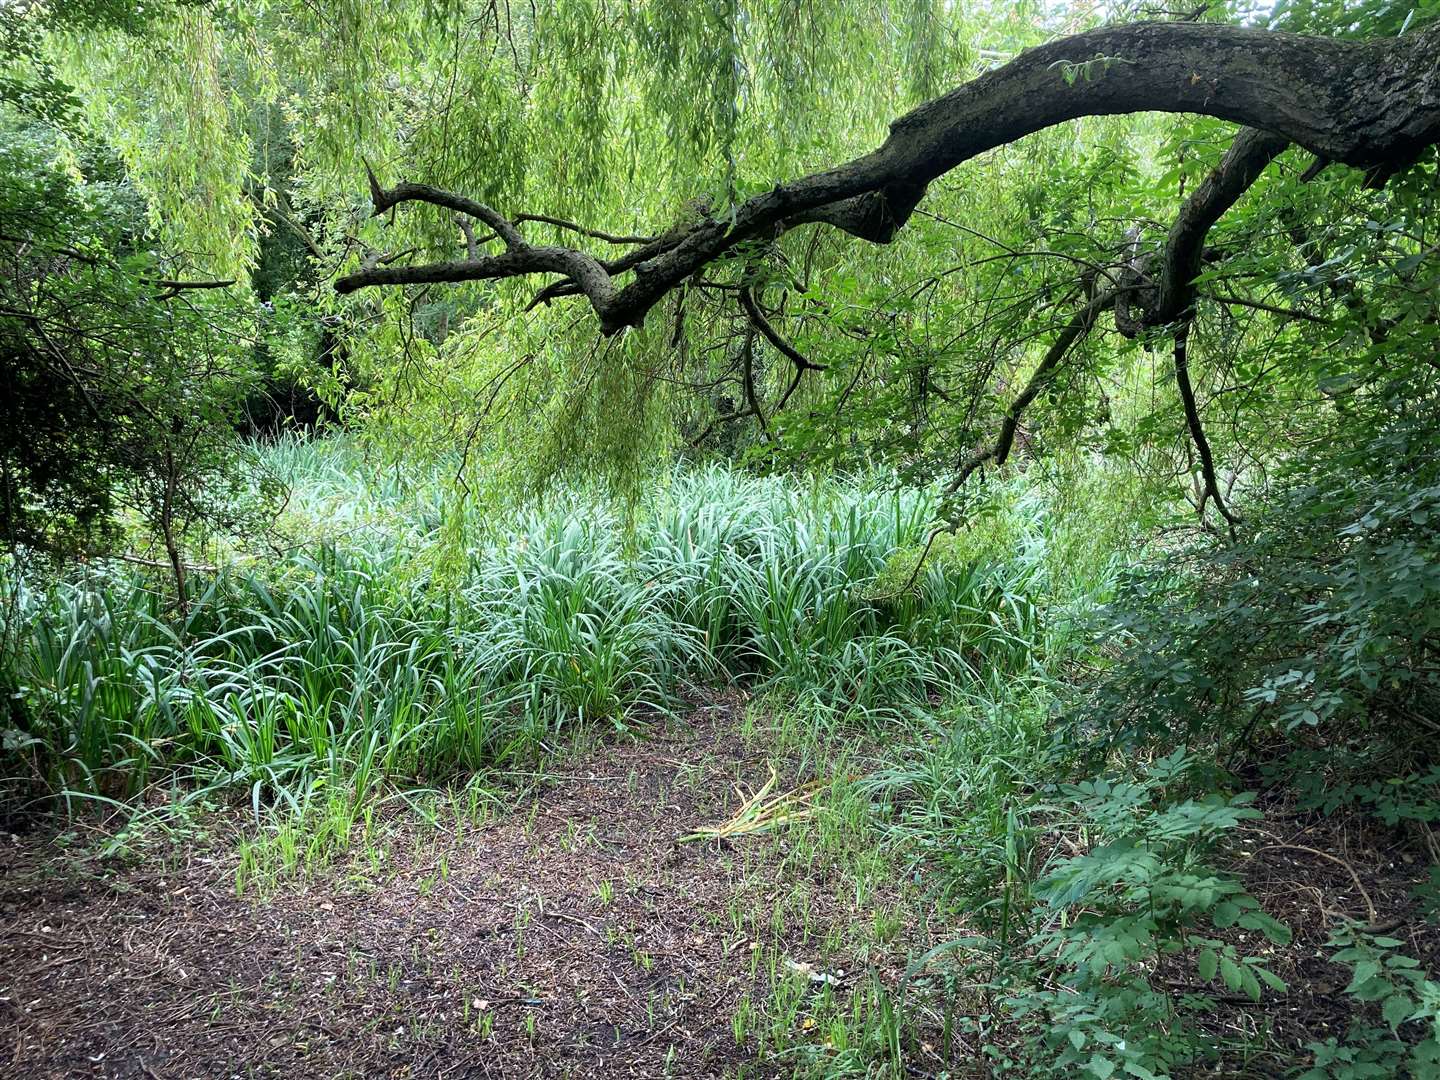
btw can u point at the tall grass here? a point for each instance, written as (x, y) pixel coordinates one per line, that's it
(362, 657)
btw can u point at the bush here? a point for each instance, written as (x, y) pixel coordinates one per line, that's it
(1315, 636)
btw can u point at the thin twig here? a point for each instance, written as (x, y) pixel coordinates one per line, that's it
(1369, 904)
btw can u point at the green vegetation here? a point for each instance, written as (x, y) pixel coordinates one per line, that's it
(336, 668)
(888, 581)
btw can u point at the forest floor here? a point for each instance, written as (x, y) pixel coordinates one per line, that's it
(567, 928)
(572, 934)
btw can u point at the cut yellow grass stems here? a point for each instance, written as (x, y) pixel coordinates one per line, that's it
(761, 811)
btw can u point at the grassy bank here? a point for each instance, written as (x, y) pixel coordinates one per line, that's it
(413, 640)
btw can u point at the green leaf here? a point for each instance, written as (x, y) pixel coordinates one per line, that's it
(1225, 914)
(1365, 970)
(1270, 979)
(1207, 963)
(1397, 1009)
(1230, 972)
(1249, 983)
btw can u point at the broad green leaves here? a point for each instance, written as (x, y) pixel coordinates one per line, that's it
(1408, 1003)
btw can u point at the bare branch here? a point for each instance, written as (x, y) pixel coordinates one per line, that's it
(1260, 305)
(472, 248)
(175, 288)
(747, 359)
(761, 323)
(386, 198)
(1044, 373)
(1197, 430)
(594, 234)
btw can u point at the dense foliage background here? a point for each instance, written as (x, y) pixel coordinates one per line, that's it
(281, 550)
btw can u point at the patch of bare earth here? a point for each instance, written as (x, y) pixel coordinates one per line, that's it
(570, 936)
(1318, 874)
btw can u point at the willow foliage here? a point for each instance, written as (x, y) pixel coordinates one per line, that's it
(558, 107)
(239, 121)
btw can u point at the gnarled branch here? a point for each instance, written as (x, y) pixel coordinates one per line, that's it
(1241, 166)
(1163, 304)
(1373, 104)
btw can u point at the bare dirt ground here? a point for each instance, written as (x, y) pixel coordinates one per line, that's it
(570, 934)
(570, 937)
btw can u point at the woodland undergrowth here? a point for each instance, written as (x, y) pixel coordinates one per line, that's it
(1066, 740)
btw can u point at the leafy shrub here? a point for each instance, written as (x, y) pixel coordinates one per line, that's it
(1382, 977)
(119, 395)
(1115, 929)
(1141, 899)
(1320, 626)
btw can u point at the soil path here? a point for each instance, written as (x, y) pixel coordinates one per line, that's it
(569, 937)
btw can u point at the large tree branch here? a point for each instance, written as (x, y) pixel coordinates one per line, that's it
(1241, 166)
(1375, 105)
(1166, 303)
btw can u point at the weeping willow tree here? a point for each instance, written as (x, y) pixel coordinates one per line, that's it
(573, 235)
